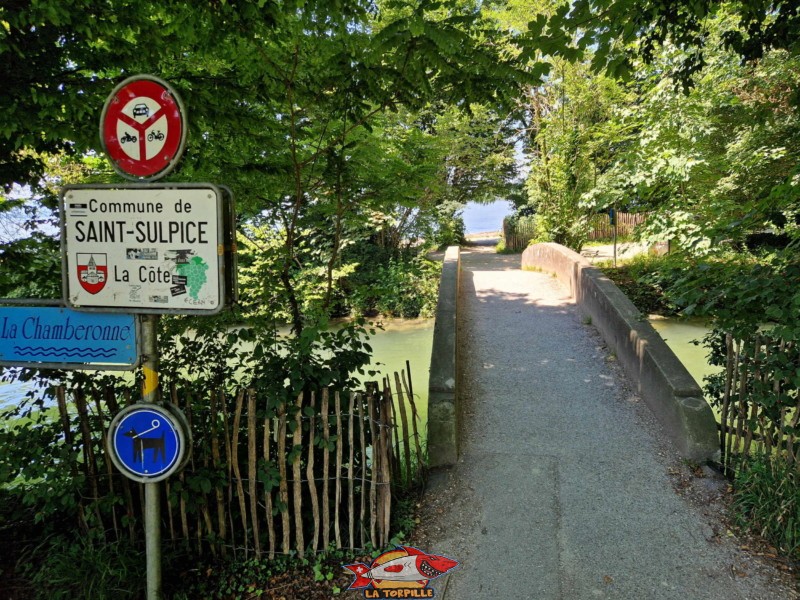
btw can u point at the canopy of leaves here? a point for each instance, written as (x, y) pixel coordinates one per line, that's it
(617, 32)
(319, 115)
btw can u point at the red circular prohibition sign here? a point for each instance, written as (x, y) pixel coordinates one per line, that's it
(143, 128)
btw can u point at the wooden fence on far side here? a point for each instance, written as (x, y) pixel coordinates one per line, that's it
(519, 232)
(602, 229)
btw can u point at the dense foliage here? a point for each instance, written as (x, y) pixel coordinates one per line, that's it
(88, 517)
(334, 124)
(689, 112)
(691, 132)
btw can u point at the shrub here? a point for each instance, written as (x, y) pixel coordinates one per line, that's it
(403, 287)
(645, 280)
(61, 568)
(767, 502)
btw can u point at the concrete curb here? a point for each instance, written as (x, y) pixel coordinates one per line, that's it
(662, 380)
(442, 390)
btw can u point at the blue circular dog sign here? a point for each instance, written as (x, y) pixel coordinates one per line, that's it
(147, 442)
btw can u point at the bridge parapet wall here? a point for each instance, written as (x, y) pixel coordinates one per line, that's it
(442, 387)
(661, 379)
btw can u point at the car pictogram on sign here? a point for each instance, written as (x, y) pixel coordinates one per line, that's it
(141, 110)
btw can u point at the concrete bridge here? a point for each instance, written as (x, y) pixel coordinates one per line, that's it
(560, 427)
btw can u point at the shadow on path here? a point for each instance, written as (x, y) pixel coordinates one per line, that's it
(562, 487)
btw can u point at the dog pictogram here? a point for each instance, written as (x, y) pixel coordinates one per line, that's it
(140, 444)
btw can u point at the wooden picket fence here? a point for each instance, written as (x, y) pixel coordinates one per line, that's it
(518, 233)
(299, 477)
(759, 404)
(602, 229)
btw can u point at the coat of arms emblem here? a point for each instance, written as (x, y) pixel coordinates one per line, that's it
(92, 271)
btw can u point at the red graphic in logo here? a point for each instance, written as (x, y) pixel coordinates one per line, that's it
(404, 568)
(92, 271)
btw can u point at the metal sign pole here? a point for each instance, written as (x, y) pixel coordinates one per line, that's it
(615, 234)
(152, 514)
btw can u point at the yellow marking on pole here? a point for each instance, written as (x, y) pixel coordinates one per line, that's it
(150, 381)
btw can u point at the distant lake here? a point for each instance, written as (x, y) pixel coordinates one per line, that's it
(482, 218)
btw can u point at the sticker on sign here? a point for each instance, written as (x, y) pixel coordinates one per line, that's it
(143, 249)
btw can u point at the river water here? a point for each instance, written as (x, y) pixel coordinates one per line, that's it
(399, 340)
(403, 340)
(12, 393)
(680, 335)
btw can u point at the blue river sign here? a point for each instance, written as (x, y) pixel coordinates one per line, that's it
(147, 442)
(61, 338)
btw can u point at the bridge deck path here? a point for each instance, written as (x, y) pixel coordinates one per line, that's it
(565, 487)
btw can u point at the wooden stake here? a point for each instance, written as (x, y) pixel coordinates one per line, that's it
(182, 477)
(113, 406)
(312, 484)
(729, 360)
(229, 467)
(297, 443)
(377, 454)
(386, 477)
(729, 414)
(750, 420)
(109, 469)
(237, 417)
(62, 411)
(362, 425)
(406, 437)
(387, 415)
(414, 418)
(338, 493)
(268, 492)
(216, 462)
(326, 501)
(350, 458)
(252, 463)
(88, 451)
(776, 390)
(741, 409)
(283, 489)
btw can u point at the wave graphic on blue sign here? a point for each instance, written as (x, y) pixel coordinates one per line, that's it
(65, 351)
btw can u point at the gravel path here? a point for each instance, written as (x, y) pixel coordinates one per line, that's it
(566, 488)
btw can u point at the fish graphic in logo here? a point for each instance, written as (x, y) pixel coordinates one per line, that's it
(92, 271)
(404, 568)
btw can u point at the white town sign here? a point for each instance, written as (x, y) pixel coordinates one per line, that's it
(146, 249)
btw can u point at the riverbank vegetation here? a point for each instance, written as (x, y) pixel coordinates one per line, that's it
(703, 136)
